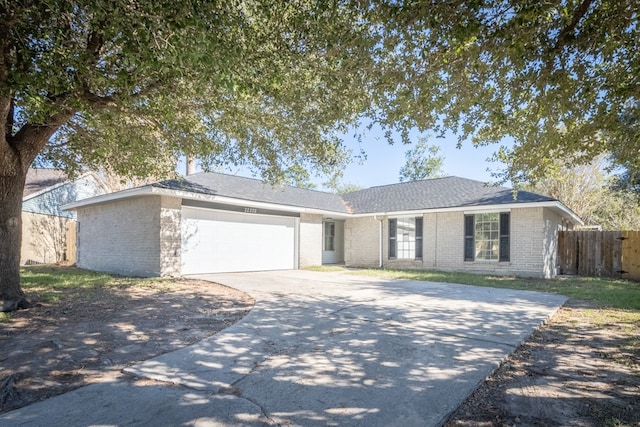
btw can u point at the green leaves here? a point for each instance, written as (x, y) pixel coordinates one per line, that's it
(273, 84)
(423, 162)
(551, 76)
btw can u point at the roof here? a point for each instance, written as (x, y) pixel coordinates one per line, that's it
(39, 179)
(217, 184)
(255, 190)
(435, 193)
(450, 193)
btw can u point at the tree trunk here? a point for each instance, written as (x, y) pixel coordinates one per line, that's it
(11, 188)
(17, 152)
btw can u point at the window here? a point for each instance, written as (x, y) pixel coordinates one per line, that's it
(405, 238)
(329, 236)
(486, 236)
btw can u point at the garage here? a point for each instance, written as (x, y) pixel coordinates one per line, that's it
(215, 241)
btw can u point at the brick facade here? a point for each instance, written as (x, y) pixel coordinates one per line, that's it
(121, 237)
(143, 237)
(310, 240)
(170, 236)
(532, 244)
(361, 242)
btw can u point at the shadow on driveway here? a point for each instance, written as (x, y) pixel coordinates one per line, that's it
(337, 349)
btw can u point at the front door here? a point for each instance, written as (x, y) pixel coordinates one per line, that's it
(332, 242)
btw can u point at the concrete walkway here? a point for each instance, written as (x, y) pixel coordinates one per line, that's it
(319, 349)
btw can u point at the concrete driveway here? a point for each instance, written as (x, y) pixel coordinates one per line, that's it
(320, 349)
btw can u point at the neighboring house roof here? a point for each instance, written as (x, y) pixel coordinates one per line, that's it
(47, 190)
(217, 184)
(450, 193)
(435, 193)
(41, 179)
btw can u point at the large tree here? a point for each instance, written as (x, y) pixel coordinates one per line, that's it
(587, 190)
(560, 77)
(132, 85)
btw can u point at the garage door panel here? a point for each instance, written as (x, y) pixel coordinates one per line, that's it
(217, 241)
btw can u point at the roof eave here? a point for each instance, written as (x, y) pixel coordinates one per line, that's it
(156, 191)
(556, 205)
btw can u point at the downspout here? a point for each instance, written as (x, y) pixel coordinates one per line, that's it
(379, 240)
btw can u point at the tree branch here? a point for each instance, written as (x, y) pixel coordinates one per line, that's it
(95, 41)
(566, 32)
(97, 100)
(31, 138)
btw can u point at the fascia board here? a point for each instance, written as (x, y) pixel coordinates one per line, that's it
(109, 197)
(562, 209)
(154, 191)
(255, 204)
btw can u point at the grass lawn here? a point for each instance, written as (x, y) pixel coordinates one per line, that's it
(49, 283)
(612, 293)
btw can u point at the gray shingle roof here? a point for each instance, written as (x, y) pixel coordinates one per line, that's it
(40, 178)
(255, 190)
(436, 193)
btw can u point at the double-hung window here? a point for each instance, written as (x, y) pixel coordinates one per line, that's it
(405, 238)
(486, 236)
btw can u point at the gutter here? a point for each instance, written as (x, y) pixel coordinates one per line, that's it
(149, 190)
(556, 205)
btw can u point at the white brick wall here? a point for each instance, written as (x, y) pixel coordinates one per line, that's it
(142, 237)
(361, 242)
(525, 244)
(310, 240)
(532, 241)
(171, 236)
(121, 237)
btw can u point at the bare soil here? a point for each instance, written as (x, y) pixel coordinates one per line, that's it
(570, 372)
(92, 334)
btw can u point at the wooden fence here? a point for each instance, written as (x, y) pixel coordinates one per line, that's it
(600, 253)
(70, 243)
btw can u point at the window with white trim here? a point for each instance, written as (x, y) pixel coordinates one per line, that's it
(486, 236)
(405, 238)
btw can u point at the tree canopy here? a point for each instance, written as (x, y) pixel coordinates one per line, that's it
(273, 84)
(560, 78)
(593, 194)
(131, 85)
(422, 162)
(135, 84)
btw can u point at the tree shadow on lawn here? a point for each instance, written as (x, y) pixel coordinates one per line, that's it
(89, 335)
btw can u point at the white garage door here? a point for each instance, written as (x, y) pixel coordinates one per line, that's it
(219, 241)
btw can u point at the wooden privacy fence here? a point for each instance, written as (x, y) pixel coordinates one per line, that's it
(70, 243)
(600, 253)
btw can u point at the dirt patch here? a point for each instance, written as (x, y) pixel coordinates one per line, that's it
(94, 333)
(570, 373)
